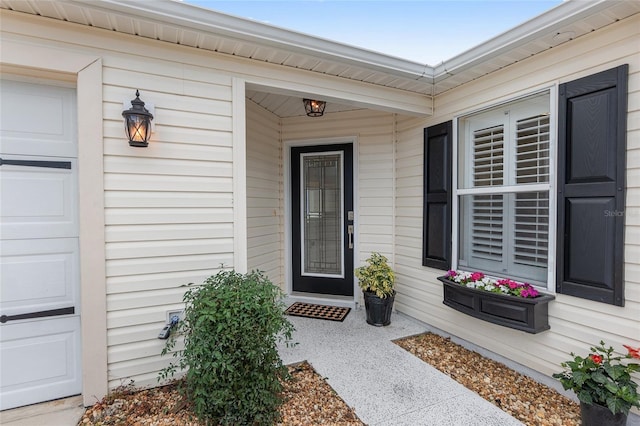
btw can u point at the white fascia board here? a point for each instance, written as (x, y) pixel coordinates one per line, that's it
(556, 18)
(180, 15)
(176, 13)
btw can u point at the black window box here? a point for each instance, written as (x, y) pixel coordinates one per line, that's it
(526, 314)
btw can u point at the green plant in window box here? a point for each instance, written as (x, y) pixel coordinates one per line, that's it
(480, 281)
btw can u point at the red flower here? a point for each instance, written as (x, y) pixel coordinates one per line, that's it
(596, 358)
(633, 352)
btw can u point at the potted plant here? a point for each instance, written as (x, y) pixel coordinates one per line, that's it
(500, 301)
(603, 385)
(377, 280)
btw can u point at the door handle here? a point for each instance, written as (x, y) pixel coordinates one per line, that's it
(350, 233)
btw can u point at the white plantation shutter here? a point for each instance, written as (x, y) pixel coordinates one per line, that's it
(531, 234)
(487, 226)
(488, 210)
(532, 149)
(531, 216)
(506, 231)
(488, 156)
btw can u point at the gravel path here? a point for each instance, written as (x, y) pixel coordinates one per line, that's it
(311, 401)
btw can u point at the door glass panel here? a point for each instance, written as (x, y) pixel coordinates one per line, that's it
(322, 214)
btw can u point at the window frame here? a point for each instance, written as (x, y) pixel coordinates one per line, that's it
(551, 186)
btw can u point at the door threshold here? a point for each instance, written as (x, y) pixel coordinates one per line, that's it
(60, 411)
(322, 299)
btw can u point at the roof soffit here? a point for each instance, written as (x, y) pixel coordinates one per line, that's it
(176, 22)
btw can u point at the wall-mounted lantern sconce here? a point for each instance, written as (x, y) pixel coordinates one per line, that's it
(137, 123)
(314, 108)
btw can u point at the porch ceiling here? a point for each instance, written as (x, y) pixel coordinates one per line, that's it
(176, 22)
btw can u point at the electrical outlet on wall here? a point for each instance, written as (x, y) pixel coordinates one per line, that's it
(176, 312)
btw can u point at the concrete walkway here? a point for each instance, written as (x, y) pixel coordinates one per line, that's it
(385, 384)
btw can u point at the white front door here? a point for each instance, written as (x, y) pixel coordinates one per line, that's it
(39, 255)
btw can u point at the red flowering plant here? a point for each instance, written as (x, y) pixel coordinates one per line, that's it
(479, 281)
(602, 378)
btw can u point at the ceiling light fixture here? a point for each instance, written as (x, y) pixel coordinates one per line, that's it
(314, 108)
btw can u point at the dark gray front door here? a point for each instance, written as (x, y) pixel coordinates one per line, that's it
(322, 219)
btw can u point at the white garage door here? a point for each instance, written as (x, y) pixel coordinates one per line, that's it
(39, 271)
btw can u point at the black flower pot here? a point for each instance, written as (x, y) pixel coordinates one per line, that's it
(599, 415)
(378, 309)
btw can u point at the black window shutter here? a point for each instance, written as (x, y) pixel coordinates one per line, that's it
(436, 239)
(592, 131)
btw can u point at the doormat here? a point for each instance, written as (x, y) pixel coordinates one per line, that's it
(309, 310)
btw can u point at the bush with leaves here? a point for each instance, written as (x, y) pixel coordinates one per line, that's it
(231, 328)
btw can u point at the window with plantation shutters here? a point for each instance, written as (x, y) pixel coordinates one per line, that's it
(503, 190)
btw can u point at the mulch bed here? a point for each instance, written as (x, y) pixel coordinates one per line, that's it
(520, 396)
(309, 400)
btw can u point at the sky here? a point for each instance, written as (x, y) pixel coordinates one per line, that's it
(424, 31)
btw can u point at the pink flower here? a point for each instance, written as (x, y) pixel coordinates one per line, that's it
(477, 276)
(451, 273)
(529, 292)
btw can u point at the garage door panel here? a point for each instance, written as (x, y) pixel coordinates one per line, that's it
(38, 202)
(38, 275)
(40, 342)
(47, 353)
(37, 119)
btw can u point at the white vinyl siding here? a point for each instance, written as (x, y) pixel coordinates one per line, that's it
(168, 207)
(264, 205)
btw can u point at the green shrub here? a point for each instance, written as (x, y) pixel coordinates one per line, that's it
(232, 325)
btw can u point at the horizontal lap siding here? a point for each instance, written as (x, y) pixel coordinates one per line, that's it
(264, 203)
(168, 207)
(375, 197)
(575, 323)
